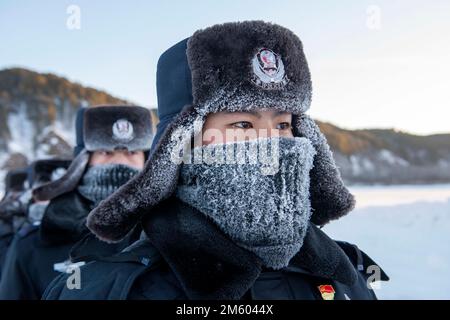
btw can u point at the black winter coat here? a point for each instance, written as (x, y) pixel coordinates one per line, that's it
(6, 236)
(187, 257)
(62, 236)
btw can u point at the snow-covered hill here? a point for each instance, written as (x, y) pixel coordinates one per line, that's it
(37, 113)
(374, 156)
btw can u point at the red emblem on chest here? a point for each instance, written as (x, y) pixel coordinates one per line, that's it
(327, 291)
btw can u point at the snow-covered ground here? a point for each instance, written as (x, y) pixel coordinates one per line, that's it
(405, 229)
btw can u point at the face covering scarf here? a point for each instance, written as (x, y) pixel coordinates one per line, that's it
(36, 212)
(256, 192)
(100, 181)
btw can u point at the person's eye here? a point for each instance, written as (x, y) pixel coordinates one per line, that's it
(284, 126)
(242, 125)
(106, 153)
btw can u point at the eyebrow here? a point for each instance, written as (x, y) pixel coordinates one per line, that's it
(279, 113)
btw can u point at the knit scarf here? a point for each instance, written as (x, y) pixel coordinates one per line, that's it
(100, 181)
(263, 206)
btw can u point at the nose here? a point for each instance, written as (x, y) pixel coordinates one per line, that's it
(267, 128)
(120, 157)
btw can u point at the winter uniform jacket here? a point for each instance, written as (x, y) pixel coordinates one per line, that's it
(185, 256)
(6, 235)
(12, 219)
(34, 251)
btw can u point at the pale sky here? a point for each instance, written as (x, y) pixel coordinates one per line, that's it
(375, 64)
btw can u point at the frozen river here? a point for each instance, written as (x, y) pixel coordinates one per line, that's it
(406, 229)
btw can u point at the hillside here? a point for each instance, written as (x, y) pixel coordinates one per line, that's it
(389, 156)
(37, 114)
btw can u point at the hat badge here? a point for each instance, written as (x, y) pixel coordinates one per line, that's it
(268, 70)
(123, 130)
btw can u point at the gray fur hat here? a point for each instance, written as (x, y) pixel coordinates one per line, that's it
(15, 180)
(104, 128)
(235, 67)
(43, 171)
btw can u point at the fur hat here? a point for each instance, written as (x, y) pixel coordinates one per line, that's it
(46, 170)
(234, 67)
(15, 187)
(15, 180)
(104, 128)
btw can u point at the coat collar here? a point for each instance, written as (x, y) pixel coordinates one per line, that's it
(90, 248)
(5, 229)
(209, 265)
(64, 219)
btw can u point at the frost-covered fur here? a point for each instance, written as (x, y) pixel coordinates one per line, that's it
(267, 214)
(330, 198)
(98, 123)
(46, 170)
(220, 62)
(66, 183)
(15, 180)
(218, 88)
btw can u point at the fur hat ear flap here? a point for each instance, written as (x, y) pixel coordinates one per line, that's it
(116, 216)
(330, 198)
(67, 182)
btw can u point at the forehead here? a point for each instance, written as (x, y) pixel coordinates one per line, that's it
(255, 113)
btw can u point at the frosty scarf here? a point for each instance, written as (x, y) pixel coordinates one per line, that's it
(36, 212)
(257, 192)
(100, 181)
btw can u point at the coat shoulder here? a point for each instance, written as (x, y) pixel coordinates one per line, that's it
(109, 278)
(24, 243)
(27, 230)
(362, 261)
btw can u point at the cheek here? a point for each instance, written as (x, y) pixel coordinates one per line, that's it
(96, 159)
(214, 130)
(213, 136)
(138, 160)
(287, 133)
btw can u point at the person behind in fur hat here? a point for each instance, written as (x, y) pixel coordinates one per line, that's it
(18, 209)
(238, 183)
(112, 146)
(12, 205)
(41, 172)
(12, 210)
